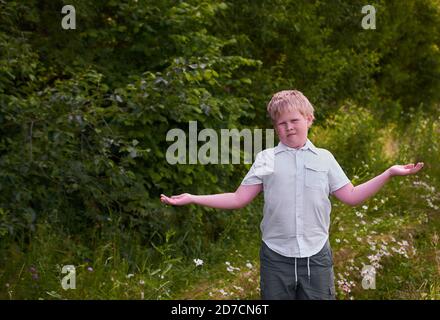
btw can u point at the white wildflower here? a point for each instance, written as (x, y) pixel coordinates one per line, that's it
(198, 262)
(223, 292)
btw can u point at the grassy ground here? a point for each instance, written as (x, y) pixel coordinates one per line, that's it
(397, 232)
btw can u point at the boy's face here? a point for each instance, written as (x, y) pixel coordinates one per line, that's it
(292, 128)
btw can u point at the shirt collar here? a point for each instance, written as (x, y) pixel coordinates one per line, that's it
(308, 146)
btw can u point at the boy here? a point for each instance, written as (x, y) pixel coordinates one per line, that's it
(297, 178)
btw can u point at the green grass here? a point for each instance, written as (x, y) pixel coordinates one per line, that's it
(402, 220)
(111, 267)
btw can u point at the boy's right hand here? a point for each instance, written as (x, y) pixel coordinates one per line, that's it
(180, 200)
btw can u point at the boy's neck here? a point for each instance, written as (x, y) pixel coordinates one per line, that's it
(295, 147)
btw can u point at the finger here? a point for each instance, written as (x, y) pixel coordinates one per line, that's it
(165, 200)
(415, 169)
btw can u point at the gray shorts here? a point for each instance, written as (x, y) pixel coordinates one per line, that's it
(313, 279)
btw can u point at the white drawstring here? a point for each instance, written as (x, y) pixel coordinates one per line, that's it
(308, 268)
(308, 271)
(296, 276)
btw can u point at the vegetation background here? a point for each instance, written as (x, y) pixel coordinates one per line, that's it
(84, 115)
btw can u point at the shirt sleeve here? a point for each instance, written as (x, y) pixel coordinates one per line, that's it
(262, 166)
(336, 176)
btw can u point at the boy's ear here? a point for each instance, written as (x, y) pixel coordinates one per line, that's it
(310, 119)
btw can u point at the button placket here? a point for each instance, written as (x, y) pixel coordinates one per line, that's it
(292, 152)
(299, 200)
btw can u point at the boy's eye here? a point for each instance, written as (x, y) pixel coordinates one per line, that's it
(284, 123)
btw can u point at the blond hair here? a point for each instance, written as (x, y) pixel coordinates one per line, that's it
(289, 100)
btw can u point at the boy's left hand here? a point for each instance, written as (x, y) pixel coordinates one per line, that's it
(403, 170)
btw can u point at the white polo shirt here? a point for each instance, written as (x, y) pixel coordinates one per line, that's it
(296, 185)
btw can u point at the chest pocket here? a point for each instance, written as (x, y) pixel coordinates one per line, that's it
(316, 176)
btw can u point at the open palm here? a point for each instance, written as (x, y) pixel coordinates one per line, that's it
(179, 200)
(403, 170)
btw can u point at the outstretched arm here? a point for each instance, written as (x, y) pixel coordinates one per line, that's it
(356, 195)
(238, 199)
